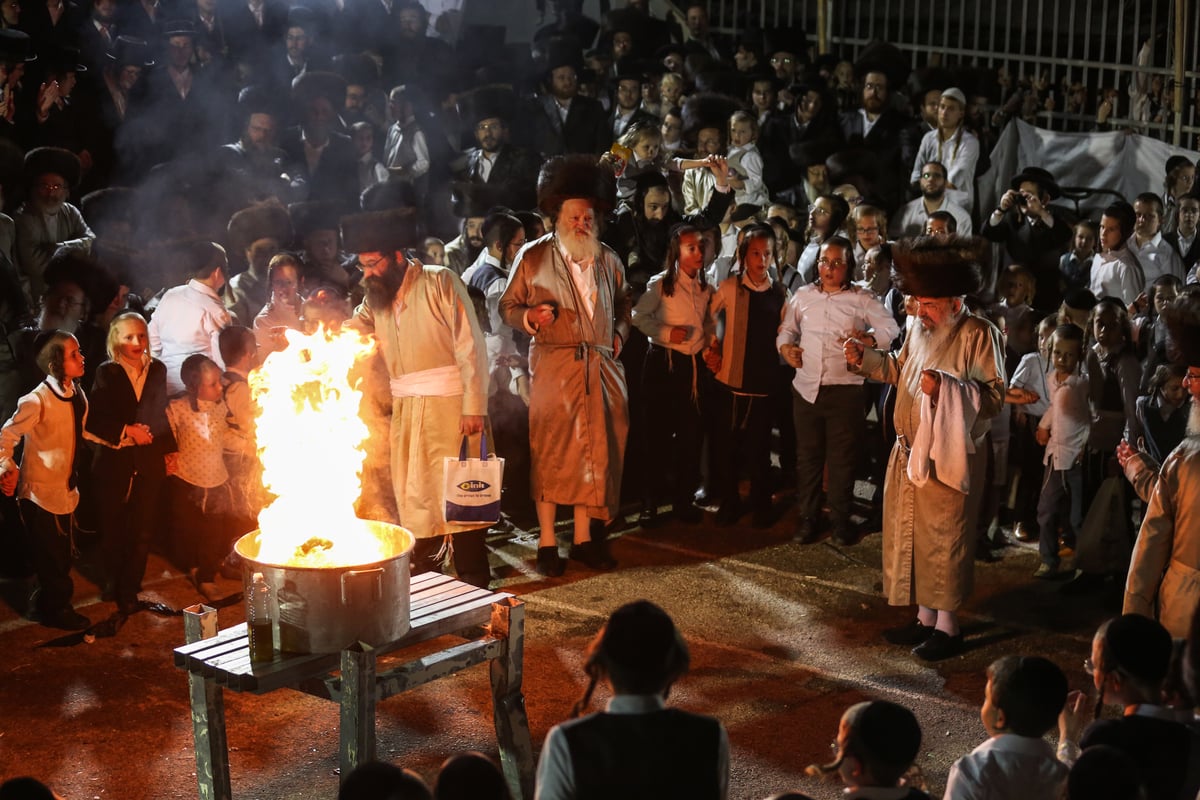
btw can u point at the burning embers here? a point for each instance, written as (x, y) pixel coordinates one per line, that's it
(311, 444)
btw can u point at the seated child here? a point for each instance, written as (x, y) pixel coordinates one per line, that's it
(1021, 703)
(877, 742)
(662, 752)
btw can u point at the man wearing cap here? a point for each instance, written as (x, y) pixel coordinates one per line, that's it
(258, 233)
(97, 35)
(511, 171)
(949, 378)
(1164, 572)
(46, 221)
(568, 291)
(910, 221)
(431, 343)
(294, 56)
(569, 122)
(1030, 231)
(255, 156)
(951, 144)
(320, 161)
(470, 204)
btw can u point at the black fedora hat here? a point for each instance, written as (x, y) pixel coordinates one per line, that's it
(179, 27)
(16, 46)
(130, 51)
(61, 59)
(1039, 176)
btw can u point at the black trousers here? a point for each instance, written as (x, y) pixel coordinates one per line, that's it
(49, 537)
(127, 526)
(828, 431)
(201, 526)
(742, 436)
(671, 392)
(470, 557)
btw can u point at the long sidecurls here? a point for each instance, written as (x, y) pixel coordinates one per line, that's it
(671, 263)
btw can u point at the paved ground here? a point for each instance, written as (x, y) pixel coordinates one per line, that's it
(782, 637)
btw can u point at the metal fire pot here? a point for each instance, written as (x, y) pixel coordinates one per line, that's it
(327, 609)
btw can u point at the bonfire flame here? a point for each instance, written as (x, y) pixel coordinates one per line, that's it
(311, 443)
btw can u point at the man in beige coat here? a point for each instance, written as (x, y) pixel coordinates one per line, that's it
(952, 359)
(436, 359)
(1164, 572)
(568, 292)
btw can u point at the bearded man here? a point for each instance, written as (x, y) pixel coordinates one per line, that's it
(568, 292)
(470, 203)
(1164, 572)
(46, 221)
(436, 360)
(949, 378)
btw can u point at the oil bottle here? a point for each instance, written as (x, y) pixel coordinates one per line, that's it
(258, 621)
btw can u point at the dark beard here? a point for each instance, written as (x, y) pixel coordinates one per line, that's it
(380, 290)
(654, 242)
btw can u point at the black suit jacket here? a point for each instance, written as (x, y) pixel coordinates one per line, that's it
(112, 405)
(586, 129)
(243, 34)
(1037, 247)
(513, 176)
(1191, 256)
(640, 117)
(336, 176)
(893, 140)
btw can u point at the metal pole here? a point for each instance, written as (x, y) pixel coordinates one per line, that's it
(822, 27)
(1180, 27)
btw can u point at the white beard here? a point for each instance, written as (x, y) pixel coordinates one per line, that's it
(580, 246)
(924, 344)
(1193, 423)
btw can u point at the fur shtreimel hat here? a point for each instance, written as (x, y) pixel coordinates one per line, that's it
(702, 111)
(381, 231)
(1183, 323)
(266, 220)
(52, 161)
(313, 216)
(575, 177)
(929, 267)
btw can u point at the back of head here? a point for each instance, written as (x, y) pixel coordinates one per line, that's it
(235, 343)
(203, 259)
(1138, 647)
(470, 776)
(1030, 691)
(25, 788)
(378, 781)
(640, 649)
(1103, 772)
(884, 737)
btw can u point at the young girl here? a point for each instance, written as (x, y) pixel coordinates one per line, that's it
(282, 310)
(636, 747)
(50, 420)
(673, 314)
(129, 421)
(877, 742)
(199, 497)
(1063, 431)
(646, 143)
(745, 162)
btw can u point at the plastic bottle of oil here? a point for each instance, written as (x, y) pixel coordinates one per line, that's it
(258, 621)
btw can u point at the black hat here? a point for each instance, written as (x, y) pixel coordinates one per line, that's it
(884, 733)
(256, 99)
(744, 211)
(130, 51)
(1140, 646)
(563, 52)
(573, 177)
(669, 49)
(1080, 299)
(310, 85)
(640, 639)
(929, 267)
(1182, 318)
(886, 58)
(790, 39)
(301, 17)
(62, 58)
(388, 195)
(488, 102)
(179, 27)
(357, 69)
(313, 216)
(471, 199)
(16, 46)
(266, 220)
(810, 153)
(52, 160)
(702, 111)
(112, 204)
(1041, 177)
(380, 231)
(1177, 161)
(629, 69)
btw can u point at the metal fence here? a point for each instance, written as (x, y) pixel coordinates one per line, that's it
(1061, 58)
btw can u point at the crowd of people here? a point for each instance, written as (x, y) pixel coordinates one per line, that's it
(645, 263)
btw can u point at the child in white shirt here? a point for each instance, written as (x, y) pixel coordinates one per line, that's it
(1063, 431)
(745, 162)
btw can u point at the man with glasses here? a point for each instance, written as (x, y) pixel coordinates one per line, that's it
(883, 131)
(46, 221)
(910, 221)
(509, 171)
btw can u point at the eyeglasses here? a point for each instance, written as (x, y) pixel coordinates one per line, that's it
(825, 262)
(785, 60)
(489, 126)
(819, 210)
(51, 187)
(875, 87)
(930, 175)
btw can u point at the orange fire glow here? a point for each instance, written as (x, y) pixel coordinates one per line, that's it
(311, 444)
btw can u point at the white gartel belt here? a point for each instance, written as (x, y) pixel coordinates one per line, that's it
(436, 382)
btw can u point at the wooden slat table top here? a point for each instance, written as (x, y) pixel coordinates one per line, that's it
(439, 605)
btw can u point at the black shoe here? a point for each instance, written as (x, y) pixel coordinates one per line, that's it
(650, 518)
(763, 518)
(687, 513)
(66, 619)
(1024, 533)
(593, 555)
(938, 646)
(910, 634)
(549, 562)
(729, 513)
(806, 531)
(984, 553)
(845, 535)
(1083, 583)
(109, 593)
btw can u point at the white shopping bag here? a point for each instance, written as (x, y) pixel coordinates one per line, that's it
(472, 485)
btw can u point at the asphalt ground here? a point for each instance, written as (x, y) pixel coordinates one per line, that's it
(783, 638)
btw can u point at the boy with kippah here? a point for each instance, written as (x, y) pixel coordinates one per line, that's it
(1021, 703)
(877, 743)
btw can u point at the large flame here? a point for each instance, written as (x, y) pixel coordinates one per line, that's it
(311, 444)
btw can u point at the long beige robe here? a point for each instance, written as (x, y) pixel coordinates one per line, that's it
(1164, 572)
(578, 409)
(435, 327)
(928, 538)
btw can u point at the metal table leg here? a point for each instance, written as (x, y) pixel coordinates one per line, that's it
(208, 713)
(359, 697)
(508, 699)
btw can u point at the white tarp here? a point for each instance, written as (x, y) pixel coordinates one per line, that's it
(1126, 163)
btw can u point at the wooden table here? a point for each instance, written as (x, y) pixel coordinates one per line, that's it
(493, 625)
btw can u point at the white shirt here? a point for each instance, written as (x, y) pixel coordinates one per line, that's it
(818, 321)
(45, 419)
(911, 219)
(959, 155)
(1032, 374)
(1068, 419)
(1117, 274)
(747, 162)
(1157, 257)
(583, 275)
(1007, 766)
(486, 162)
(656, 314)
(200, 434)
(188, 320)
(868, 123)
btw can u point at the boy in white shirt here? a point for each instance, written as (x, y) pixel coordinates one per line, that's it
(745, 162)
(1063, 431)
(1021, 703)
